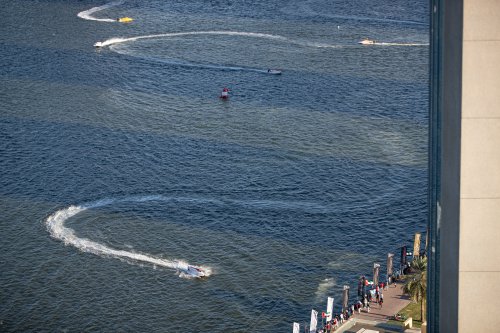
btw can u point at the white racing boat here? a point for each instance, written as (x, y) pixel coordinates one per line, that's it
(195, 271)
(367, 41)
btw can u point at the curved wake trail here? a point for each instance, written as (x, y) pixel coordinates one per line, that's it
(113, 41)
(57, 229)
(87, 14)
(193, 33)
(119, 40)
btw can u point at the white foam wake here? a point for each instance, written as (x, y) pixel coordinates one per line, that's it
(112, 41)
(193, 33)
(57, 229)
(119, 40)
(87, 14)
(325, 287)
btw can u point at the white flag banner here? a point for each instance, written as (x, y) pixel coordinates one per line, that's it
(314, 321)
(296, 328)
(329, 309)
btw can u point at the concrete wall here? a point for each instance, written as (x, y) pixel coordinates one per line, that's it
(479, 255)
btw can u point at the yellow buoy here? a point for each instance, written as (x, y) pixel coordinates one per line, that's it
(125, 19)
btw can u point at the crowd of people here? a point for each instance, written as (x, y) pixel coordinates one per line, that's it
(372, 295)
(337, 320)
(368, 295)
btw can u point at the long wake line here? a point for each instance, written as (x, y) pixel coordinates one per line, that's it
(118, 40)
(57, 229)
(112, 41)
(87, 14)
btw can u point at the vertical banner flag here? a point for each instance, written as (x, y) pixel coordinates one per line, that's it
(296, 328)
(376, 269)
(329, 309)
(416, 245)
(314, 321)
(390, 257)
(345, 298)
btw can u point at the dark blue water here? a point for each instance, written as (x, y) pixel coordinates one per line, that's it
(119, 163)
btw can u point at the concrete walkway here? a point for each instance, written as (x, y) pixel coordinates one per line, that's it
(394, 301)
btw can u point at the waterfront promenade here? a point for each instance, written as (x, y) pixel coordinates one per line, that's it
(394, 301)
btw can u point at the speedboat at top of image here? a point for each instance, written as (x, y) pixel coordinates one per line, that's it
(195, 271)
(274, 71)
(125, 19)
(367, 41)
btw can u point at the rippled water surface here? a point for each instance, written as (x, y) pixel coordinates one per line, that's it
(121, 164)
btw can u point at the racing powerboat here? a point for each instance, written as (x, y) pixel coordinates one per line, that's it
(367, 41)
(98, 44)
(125, 19)
(195, 271)
(274, 71)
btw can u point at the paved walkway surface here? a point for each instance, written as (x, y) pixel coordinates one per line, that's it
(380, 328)
(394, 301)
